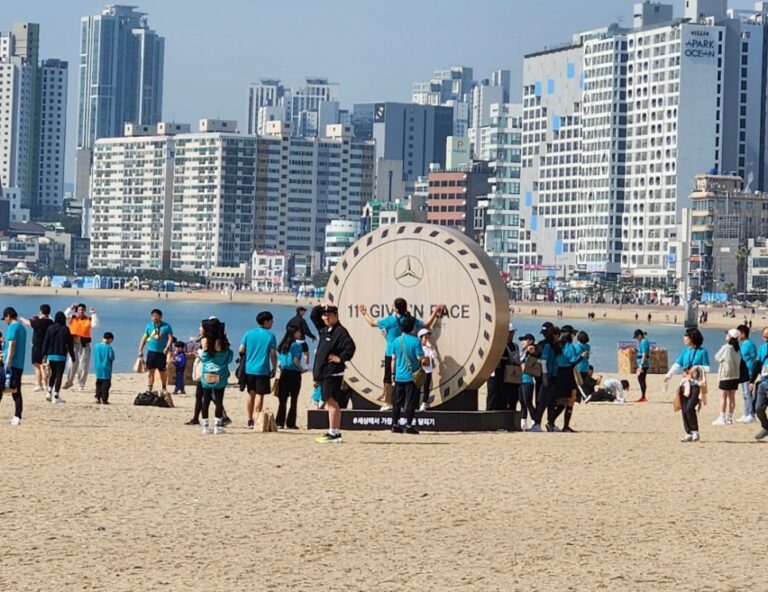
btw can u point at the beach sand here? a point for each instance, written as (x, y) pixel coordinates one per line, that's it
(128, 498)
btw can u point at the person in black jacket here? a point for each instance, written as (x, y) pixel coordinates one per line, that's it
(300, 322)
(334, 349)
(57, 345)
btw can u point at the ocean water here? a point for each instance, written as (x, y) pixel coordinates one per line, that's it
(127, 319)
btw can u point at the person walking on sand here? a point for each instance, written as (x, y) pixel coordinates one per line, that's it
(158, 337)
(749, 357)
(259, 346)
(39, 325)
(80, 326)
(693, 363)
(728, 373)
(13, 361)
(334, 349)
(57, 346)
(392, 330)
(643, 362)
(103, 358)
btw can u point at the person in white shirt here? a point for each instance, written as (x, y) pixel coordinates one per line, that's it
(611, 389)
(433, 358)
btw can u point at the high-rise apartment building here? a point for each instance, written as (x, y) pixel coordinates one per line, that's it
(308, 108)
(617, 124)
(449, 88)
(166, 198)
(33, 101)
(121, 80)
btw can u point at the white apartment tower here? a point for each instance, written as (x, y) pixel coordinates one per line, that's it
(612, 148)
(52, 131)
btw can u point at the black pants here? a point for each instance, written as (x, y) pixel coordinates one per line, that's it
(688, 408)
(426, 388)
(546, 401)
(57, 375)
(641, 379)
(18, 401)
(502, 396)
(387, 369)
(406, 394)
(289, 387)
(217, 396)
(528, 408)
(199, 402)
(102, 389)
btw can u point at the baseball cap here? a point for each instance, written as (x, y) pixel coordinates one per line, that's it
(424, 331)
(330, 309)
(734, 333)
(567, 329)
(546, 327)
(527, 337)
(512, 327)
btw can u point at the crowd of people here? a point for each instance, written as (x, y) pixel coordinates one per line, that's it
(542, 378)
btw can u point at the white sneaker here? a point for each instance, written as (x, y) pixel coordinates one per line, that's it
(48, 396)
(720, 421)
(15, 421)
(81, 388)
(217, 429)
(423, 406)
(743, 419)
(687, 438)
(619, 401)
(696, 437)
(37, 388)
(524, 425)
(386, 408)
(57, 400)
(206, 427)
(535, 428)
(750, 419)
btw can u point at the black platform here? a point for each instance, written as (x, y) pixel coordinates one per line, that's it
(427, 421)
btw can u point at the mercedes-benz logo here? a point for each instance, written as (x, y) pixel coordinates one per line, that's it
(408, 271)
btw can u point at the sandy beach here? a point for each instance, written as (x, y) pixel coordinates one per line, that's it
(128, 498)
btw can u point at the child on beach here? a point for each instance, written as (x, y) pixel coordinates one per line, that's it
(430, 352)
(103, 356)
(180, 363)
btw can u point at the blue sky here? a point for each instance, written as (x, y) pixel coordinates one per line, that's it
(375, 50)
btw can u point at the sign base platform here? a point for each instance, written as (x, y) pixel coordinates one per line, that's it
(426, 421)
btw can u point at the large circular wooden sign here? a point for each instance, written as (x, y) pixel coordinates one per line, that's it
(427, 265)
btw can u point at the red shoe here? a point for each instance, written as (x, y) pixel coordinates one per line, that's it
(642, 400)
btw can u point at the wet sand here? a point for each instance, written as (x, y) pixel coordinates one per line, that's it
(128, 498)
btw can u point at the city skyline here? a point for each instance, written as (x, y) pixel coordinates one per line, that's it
(428, 39)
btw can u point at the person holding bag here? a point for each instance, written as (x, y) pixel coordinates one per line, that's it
(693, 363)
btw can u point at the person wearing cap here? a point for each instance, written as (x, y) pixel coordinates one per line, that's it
(527, 388)
(432, 359)
(728, 374)
(643, 362)
(545, 388)
(502, 395)
(334, 349)
(392, 327)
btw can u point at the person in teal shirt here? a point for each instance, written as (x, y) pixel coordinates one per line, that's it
(103, 357)
(566, 358)
(692, 359)
(158, 337)
(215, 359)
(259, 347)
(13, 361)
(749, 357)
(407, 358)
(643, 362)
(584, 349)
(289, 354)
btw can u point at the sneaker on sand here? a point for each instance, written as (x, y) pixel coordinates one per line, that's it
(329, 439)
(642, 400)
(217, 429)
(37, 388)
(48, 397)
(696, 436)
(225, 421)
(761, 435)
(720, 421)
(206, 427)
(742, 419)
(524, 425)
(750, 419)
(687, 438)
(619, 400)
(57, 400)
(535, 428)
(250, 424)
(15, 421)
(729, 420)
(192, 421)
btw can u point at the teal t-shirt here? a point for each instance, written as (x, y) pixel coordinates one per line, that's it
(17, 333)
(644, 347)
(391, 327)
(259, 343)
(157, 336)
(218, 365)
(286, 360)
(103, 356)
(407, 351)
(583, 364)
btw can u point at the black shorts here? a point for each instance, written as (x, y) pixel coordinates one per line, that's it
(728, 385)
(37, 355)
(259, 384)
(156, 361)
(330, 388)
